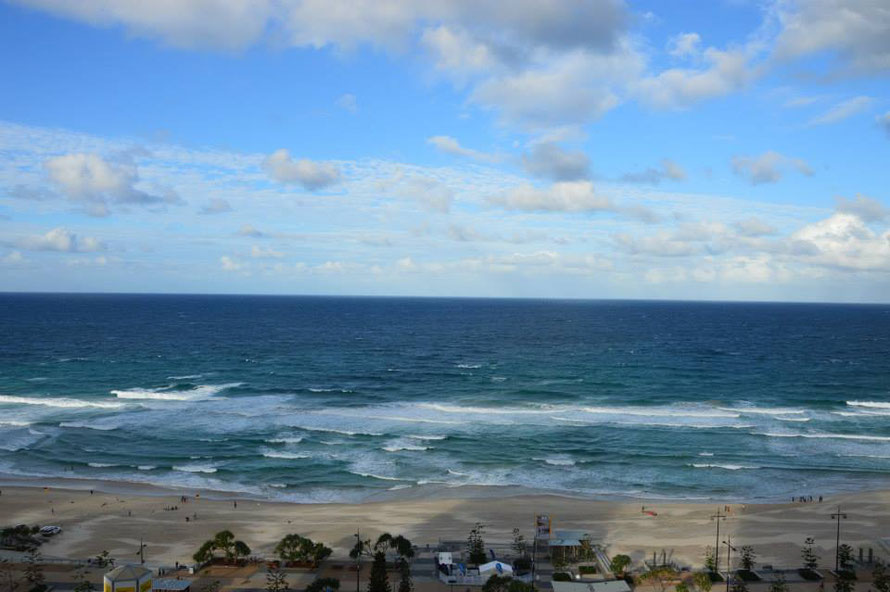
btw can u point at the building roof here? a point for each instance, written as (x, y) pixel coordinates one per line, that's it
(608, 586)
(127, 572)
(505, 568)
(170, 584)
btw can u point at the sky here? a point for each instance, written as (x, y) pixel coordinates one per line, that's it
(718, 150)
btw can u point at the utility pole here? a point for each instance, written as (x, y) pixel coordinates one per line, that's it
(837, 549)
(141, 552)
(358, 559)
(729, 550)
(717, 517)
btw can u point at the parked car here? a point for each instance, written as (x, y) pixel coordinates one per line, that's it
(48, 531)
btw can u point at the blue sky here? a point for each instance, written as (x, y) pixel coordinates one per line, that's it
(561, 148)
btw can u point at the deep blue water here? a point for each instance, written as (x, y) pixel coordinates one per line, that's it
(321, 399)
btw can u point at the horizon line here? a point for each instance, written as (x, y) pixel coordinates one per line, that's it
(427, 297)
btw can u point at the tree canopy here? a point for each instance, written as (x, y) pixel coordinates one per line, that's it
(299, 549)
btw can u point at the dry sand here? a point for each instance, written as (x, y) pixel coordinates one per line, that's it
(117, 522)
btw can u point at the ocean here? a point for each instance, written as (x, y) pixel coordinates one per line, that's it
(329, 399)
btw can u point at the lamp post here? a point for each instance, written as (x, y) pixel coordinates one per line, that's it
(717, 518)
(729, 550)
(358, 559)
(837, 549)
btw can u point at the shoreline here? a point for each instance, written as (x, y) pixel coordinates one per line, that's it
(118, 521)
(411, 493)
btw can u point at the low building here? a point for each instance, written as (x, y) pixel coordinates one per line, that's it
(128, 578)
(607, 586)
(171, 585)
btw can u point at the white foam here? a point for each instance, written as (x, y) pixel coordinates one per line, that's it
(185, 377)
(661, 412)
(99, 465)
(287, 440)
(202, 391)
(374, 476)
(706, 454)
(469, 366)
(765, 410)
(794, 419)
(285, 455)
(559, 461)
(195, 468)
(726, 467)
(146, 467)
(871, 404)
(64, 403)
(421, 437)
(827, 436)
(335, 431)
(14, 423)
(87, 426)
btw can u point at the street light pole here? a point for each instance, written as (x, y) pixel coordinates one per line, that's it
(358, 559)
(837, 548)
(717, 517)
(729, 550)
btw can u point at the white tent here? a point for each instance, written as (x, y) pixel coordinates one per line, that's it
(495, 567)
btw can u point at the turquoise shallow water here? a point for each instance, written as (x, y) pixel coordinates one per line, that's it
(327, 399)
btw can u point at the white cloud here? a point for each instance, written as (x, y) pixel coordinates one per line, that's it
(866, 208)
(310, 174)
(455, 51)
(348, 103)
(572, 89)
(62, 240)
(550, 161)
(843, 110)
(216, 205)
(767, 167)
(564, 196)
(450, 145)
(653, 176)
(95, 183)
(726, 71)
(223, 24)
(855, 31)
(229, 264)
(684, 45)
(258, 252)
(844, 241)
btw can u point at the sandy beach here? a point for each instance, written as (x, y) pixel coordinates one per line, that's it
(117, 521)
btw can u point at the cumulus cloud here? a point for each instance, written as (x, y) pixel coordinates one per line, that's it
(854, 31)
(61, 240)
(450, 145)
(844, 241)
(216, 206)
(865, 208)
(95, 182)
(550, 161)
(767, 167)
(564, 196)
(724, 72)
(348, 103)
(310, 174)
(843, 110)
(653, 176)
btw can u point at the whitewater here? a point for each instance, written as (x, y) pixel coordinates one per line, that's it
(339, 399)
